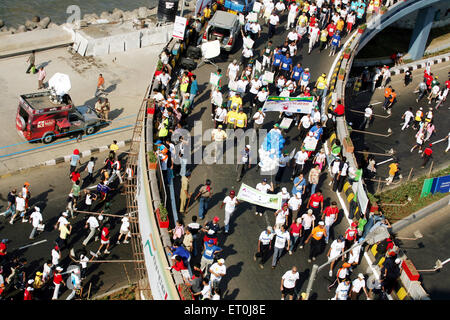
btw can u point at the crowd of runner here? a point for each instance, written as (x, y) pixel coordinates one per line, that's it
(321, 25)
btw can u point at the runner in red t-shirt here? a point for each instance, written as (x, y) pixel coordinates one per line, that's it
(57, 280)
(329, 216)
(426, 155)
(316, 203)
(351, 234)
(104, 239)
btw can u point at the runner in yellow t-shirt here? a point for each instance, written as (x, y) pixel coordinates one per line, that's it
(241, 119)
(231, 118)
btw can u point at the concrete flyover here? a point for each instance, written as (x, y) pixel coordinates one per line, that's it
(397, 12)
(343, 66)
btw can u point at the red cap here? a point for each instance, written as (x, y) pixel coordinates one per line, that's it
(430, 144)
(76, 152)
(216, 218)
(56, 248)
(354, 224)
(285, 205)
(232, 192)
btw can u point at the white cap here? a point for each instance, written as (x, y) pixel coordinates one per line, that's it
(30, 288)
(37, 208)
(221, 261)
(299, 220)
(309, 211)
(59, 269)
(248, 147)
(65, 214)
(30, 281)
(211, 231)
(321, 223)
(100, 217)
(284, 190)
(269, 228)
(397, 261)
(361, 276)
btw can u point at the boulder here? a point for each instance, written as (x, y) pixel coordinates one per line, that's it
(90, 17)
(36, 19)
(30, 25)
(21, 28)
(2, 23)
(117, 14)
(104, 15)
(52, 25)
(12, 30)
(45, 22)
(142, 12)
(130, 15)
(83, 24)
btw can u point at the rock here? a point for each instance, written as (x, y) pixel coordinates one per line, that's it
(90, 17)
(45, 22)
(30, 25)
(117, 14)
(2, 23)
(12, 30)
(52, 25)
(21, 28)
(142, 12)
(104, 15)
(83, 24)
(36, 19)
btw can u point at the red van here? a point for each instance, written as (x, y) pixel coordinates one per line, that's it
(41, 116)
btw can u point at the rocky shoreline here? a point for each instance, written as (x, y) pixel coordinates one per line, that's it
(114, 16)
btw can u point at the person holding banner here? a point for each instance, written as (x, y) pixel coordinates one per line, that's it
(263, 187)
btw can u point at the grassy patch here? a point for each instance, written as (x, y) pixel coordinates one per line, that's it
(400, 195)
(128, 293)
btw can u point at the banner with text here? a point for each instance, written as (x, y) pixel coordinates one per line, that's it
(179, 27)
(289, 104)
(249, 194)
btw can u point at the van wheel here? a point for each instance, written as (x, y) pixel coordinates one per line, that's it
(90, 130)
(22, 123)
(48, 137)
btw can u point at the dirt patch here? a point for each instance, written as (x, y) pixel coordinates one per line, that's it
(81, 64)
(128, 293)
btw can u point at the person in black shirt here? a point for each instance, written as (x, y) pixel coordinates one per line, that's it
(11, 209)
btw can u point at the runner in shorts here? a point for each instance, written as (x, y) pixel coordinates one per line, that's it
(104, 239)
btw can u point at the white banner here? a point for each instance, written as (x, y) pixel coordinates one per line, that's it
(161, 282)
(249, 194)
(289, 104)
(179, 27)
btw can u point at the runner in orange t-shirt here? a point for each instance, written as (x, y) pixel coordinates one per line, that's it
(316, 236)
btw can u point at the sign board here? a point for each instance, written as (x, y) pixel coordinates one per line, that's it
(286, 123)
(363, 200)
(289, 104)
(241, 19)
(257, 6)
(442, 184)
(249, 194)
(248, 42)
(210, 49)
(214, 79)
(252, 17)
(232, 85)
(268, 76)
(179, 27)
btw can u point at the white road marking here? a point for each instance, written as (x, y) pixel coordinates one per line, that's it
(33, 244)
(383, 162)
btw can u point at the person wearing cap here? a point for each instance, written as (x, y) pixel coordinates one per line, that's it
(288, 282)
(342, 274)
(20, 208)
(282, 240)
(329, 216)
(308, 223)
(205, 193)
(28, 292)
(316, 237)
(209, 252)
(184, 191)
(38, 282)
(232, 70)
(244, 163)
(217, 271)
(390, 271)
(241, 119)
(47, 271)
(75, 279)
(299, 163)
(393, 169)
(351, 235)
(35, 220)
(218, 136)
(281, 216)
(56, 255)
(321, 84)
(74, 160)
(336, 248)
(358, 284)
(258, 117)
(211, 229)
(64, 231)
(57, 280)
(220, 116)
(263, 187)
(285, 196)
(230, 203)
(124, 230)
(264, 246)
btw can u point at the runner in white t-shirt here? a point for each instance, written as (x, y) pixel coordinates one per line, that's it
(336, 248)
(308, 224)
(282, 239)
(288, 281)
(230, 203)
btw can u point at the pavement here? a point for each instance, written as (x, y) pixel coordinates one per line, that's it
(244, 279)
(425, 251)
(49, 188)
(126, 79)
(400, 141)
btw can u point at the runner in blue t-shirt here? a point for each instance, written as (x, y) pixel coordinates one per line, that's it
(277, 58)
(286, 65)
(208, 254)
(335, 42)
(296, 73)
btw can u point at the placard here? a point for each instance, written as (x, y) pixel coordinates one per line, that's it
(252, 17)
(214, 79)
(268, 76)
(179, 27)
(248, 42)
(286, 123)
(257, 7)
(241, 19)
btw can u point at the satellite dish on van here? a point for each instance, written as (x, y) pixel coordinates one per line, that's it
(60, 82)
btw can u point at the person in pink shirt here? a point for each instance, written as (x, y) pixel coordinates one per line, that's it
(41, 76)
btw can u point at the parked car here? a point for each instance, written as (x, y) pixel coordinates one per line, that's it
(239, 6)
(223, 26)
(42, 116)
